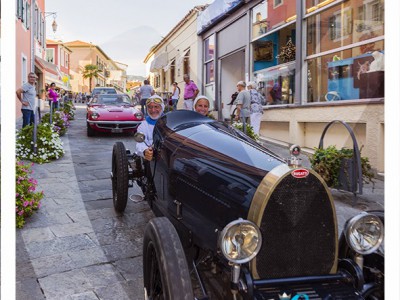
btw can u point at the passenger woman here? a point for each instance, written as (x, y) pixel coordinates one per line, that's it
(155, 108)
(202, 105)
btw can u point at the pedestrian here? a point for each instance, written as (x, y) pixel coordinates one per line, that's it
(256, 109)
(53, 96)
(242, 104)
(27, 95)
(155, 108)
(175, 95)
(190, 92)
(276, 91)
(145, 92)
(202, 105)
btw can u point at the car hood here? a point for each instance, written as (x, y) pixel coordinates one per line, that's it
(111, 112)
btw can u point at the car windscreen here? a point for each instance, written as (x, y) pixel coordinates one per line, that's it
(113, 99)
(104, 91)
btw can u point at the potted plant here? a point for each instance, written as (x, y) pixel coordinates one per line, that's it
(335, 167)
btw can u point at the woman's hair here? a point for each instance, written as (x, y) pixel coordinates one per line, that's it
(52, 84)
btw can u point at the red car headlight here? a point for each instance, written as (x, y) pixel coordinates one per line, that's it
(95, 115)
(138, 115)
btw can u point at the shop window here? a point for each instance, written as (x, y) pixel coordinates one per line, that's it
(209, 72)
(344, 25)
(346, 75)
(275, 48)
(209, 47)
(272, 14)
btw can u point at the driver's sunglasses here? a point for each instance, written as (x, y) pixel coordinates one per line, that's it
(155, 100)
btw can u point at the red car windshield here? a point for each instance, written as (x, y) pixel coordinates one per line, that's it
(112, 100)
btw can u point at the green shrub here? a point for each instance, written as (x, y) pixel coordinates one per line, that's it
(249, 130)
(49, 144)
(327, 163)
(69, 110)
(27, 200)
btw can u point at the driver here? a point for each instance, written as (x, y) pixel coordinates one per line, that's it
(155, 108)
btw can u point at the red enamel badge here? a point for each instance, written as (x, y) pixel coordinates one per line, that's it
(300, 173)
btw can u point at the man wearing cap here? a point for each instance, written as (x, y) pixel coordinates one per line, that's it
(155, 108)
(190, 93)
(243, 101)
(27, 95)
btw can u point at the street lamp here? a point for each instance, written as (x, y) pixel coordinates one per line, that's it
(54, 24)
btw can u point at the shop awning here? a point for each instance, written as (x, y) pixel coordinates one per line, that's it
(47, 66)
(170, 64)
(181, 58)
(159, 62)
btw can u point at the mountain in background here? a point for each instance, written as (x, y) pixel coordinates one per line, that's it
(131, 47)
(135, 78)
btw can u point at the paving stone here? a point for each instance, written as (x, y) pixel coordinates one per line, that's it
(53, 264)
(28, 289)
(88, 257)
(37, 235)
(132, 290)
(83, 296)
(102, 275)
(131, 268)
(119, 251)
(71, 229)
(61, 285)
(59, 245)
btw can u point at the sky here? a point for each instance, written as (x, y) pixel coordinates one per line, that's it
(124, 29)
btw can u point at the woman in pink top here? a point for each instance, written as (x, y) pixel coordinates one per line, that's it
(52, 95)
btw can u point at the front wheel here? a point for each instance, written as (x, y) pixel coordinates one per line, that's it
(120, 177)
(165, 271)
(89, 130)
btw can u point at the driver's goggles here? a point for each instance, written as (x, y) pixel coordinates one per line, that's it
(155, 100)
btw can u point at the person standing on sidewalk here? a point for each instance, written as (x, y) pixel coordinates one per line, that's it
(53, 96)
(256, 109)
(175, 95)
(190, 93)
(145, 91)
(243, 101)
(27, 95)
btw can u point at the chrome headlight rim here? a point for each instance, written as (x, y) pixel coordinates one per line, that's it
(354, 223)
(231, 226)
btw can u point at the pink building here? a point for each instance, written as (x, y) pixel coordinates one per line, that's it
(28, 53)
(59, 55)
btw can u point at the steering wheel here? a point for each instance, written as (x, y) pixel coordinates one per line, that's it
(332, 96)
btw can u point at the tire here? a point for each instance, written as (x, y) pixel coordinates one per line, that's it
(165, 271)
(120, 179)
(90, 131)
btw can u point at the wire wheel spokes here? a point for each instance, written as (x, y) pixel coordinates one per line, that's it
(156, 291)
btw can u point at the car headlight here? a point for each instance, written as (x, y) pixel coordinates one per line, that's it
(240, 241)
(138, 115)
(95, 115)
(364, 233)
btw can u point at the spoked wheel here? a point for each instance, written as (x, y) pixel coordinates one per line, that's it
(120, 179)
(165, 270)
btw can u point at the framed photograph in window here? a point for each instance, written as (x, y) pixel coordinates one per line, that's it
(263, 51)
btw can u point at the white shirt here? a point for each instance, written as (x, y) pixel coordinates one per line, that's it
(147, 129)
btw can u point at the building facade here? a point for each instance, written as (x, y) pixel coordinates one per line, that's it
(328, 57)
(117, 76)
(59, 55)
(30, 44)
(178, 53)
(84, 53)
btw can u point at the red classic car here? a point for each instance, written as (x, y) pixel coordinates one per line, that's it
(113, 113)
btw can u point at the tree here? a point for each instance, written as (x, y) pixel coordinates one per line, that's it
(90, 71)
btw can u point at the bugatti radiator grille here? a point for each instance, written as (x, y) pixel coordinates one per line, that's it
(298, 229)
